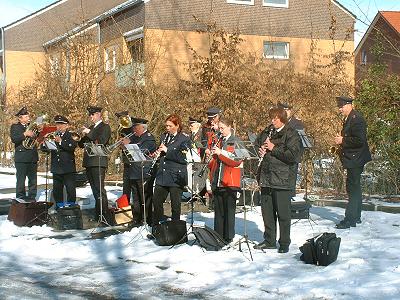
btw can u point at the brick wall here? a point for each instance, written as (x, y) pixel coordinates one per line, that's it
(300, 20)
(171, 51)
(390, 56)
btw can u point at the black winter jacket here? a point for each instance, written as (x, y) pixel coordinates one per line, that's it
(278, 169)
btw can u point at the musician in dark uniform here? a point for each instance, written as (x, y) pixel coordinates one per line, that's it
(172, 174)
(354, 154)
(126, 184)
(25, 159)
(63, 162)
(98, 133)
(195, 134)
(139, 178)
(209, 138)
(280, 148)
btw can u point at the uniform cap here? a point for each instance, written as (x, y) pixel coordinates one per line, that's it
(193, 120)
(22, 112)
(136, 121)
(93, 109)
(213, 112)
(284, 105)
(61, 119)
(343, 100)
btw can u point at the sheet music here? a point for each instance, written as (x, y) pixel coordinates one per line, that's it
(136, 152)
(51, 145)
(192, 156)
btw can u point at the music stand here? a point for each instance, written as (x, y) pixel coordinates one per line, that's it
(307, 144)
(136, 155)
(48, 146)
(98, 150)
(244, 154)
(194, 160)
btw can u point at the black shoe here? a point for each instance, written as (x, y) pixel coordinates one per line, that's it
(358, 221)
(151, 237)
(264, 245)
(345, 224)
(283, 249)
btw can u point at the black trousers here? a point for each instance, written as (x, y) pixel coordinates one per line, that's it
(96, 176)
(67, 180)
(224, 209)
(126, 182)
(159, 197)
(275, 206)
(137, 194)
(23, 171)
(353, 188)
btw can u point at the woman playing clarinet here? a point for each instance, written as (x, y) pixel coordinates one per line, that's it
(171, 177)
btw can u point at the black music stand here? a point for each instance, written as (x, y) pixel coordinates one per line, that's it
(135, 155)
(98, 150)
(195, 167)
(48, 146)
(307, 144)
(244, 154)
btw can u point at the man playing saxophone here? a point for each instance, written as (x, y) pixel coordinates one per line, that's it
(25, 158)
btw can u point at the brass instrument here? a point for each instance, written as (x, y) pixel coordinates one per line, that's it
(110, 148)
(51, 136)
(76, 136)
(334, 150)
(30, 141)
(205, 166)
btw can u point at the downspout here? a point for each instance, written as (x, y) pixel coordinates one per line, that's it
(99, 60)
(3, 79)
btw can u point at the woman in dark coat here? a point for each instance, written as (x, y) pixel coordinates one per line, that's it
(171, 177)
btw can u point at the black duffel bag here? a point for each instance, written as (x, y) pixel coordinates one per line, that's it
(170, 233)
(321, 250)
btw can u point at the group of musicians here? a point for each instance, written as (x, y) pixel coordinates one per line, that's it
(148, 183)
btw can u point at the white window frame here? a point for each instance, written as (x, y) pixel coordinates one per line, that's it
(287, 47)
(364, 57)
(110, 62)
(251, 2)
(265, 3)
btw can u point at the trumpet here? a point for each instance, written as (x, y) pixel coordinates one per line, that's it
(76, 136)
(51, 136)
(334, 150)
(205, 166)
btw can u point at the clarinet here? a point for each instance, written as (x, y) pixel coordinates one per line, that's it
(271, 131)
(155, 159)
(205, 166)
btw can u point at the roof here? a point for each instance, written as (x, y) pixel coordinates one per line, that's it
(92, 22)
(341, 6)
(391, 17)
(38, 12)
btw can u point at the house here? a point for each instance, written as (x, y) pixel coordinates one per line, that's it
(130, 34)
(384, 32)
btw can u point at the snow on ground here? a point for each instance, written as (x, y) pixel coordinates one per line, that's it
(39, 263)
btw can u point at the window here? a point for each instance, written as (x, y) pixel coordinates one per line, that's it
(276, 3)
(276, 50)
(248, 2)
(110, 58)
(364, 57)
(136, 50)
